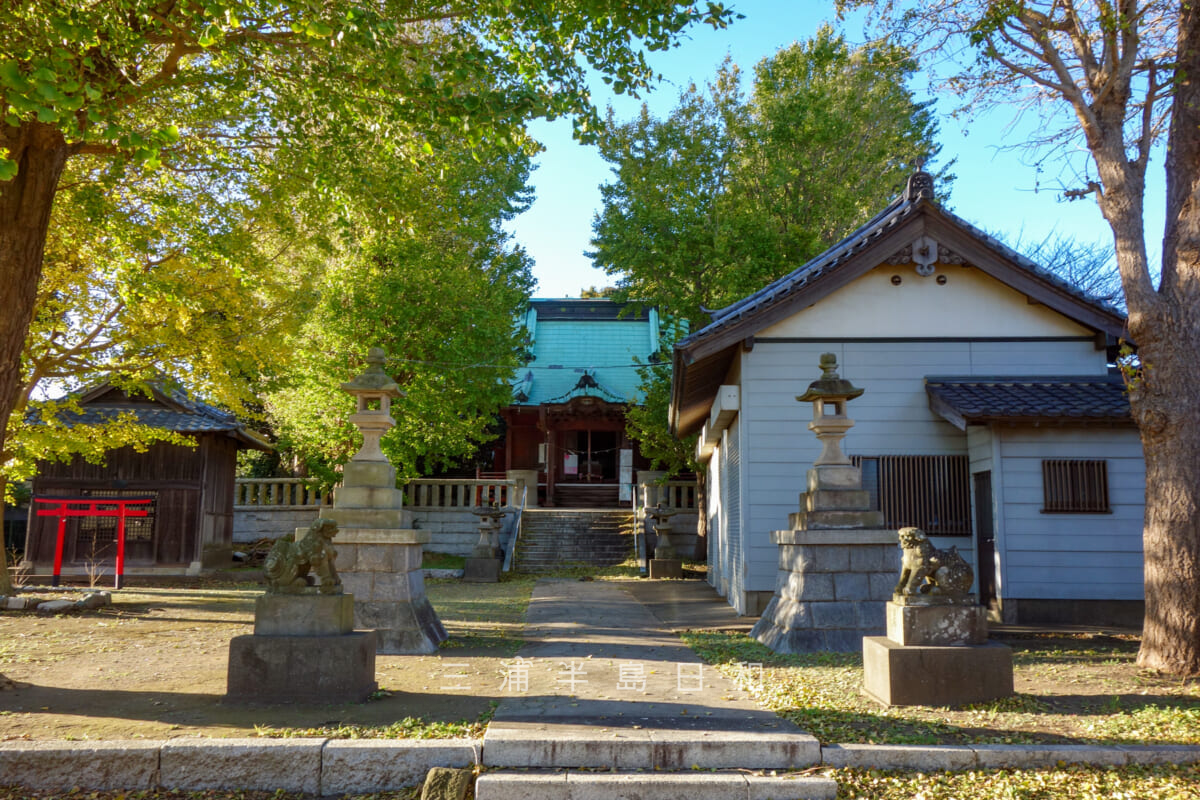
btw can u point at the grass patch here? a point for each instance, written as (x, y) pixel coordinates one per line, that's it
(407, 728)
(21, 793)
(487, 616)
(1069, 691)
(431, 560)
(1167, 782)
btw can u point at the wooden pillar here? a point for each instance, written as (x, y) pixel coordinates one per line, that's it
(551, 467)
(508, 442)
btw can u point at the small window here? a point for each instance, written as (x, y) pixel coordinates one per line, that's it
(1072, 486)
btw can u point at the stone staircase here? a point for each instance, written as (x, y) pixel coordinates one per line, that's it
(552, 538)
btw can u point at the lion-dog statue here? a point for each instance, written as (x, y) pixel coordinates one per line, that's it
(289, 562)
(926, 570)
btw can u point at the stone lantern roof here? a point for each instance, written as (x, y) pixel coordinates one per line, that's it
(373, 380)
(830, 386)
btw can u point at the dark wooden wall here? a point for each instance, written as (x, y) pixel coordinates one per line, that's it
(194, 487)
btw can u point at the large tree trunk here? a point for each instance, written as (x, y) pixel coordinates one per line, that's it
(25, 202)
(6, 587)
(1166, 397)
(1164, 406)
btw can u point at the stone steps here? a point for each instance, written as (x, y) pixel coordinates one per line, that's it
(581, 785)
(551, 538)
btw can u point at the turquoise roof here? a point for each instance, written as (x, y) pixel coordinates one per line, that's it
(584, 348)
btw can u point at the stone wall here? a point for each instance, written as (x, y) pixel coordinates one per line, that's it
(270, 523)
(451, 530)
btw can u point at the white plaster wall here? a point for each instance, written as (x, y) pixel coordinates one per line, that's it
(970, 303)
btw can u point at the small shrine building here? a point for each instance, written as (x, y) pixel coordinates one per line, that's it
(567, 418)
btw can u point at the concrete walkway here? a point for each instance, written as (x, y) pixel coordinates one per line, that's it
(601, 683)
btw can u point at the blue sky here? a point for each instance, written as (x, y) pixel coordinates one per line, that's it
(996, 188)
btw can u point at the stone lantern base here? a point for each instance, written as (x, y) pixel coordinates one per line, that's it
(666, 568)
(383, 570)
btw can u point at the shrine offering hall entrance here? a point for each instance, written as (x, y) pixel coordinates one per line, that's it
(579, 449)
(590, 456)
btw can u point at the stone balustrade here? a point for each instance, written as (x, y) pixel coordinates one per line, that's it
(679, 495)
(277, 493)
(458, 493)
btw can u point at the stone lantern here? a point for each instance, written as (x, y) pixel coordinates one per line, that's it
(379, 552)
(829, 395)
(837, 562)
(374, 391)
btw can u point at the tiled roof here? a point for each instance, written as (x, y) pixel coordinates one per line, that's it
(1062, 398)
(896, 212)
(584, 349)
(168, 409)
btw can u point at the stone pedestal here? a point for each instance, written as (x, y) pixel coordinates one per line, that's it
(303, 615)
(303, 650)
(837, 568)
(935, 624)
(666, 568)
(481, 570)
(382, 568)
(936, 653)
(899, 675)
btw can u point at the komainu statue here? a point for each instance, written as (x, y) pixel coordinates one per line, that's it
(926, 570)
(288, 564)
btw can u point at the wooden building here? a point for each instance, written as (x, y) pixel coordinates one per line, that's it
(991, 417)
(190, 524)
(567, 419)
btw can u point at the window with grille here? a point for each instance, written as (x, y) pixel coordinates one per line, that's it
(1074, 486)
(96, 534)
(927, 492)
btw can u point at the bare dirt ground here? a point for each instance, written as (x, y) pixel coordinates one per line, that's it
(154, 665)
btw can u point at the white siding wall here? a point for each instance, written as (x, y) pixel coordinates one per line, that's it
(892, 416)
(1072, 556)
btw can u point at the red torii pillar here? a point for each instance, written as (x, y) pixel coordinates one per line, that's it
(63, 507)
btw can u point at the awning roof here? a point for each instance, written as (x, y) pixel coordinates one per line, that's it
(974, 399)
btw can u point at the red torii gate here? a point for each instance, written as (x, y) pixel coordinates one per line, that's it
(63, 507)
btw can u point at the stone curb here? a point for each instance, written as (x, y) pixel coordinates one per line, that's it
(926, 758)
(314, 766)
(339, 766)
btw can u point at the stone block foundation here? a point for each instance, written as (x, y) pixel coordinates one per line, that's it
(897, 675)
(831, 591)
(302, 669)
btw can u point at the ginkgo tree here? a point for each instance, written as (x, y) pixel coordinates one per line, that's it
(133, 80)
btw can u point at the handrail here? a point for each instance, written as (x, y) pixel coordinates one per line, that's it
(512, 545)
(640, 545)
